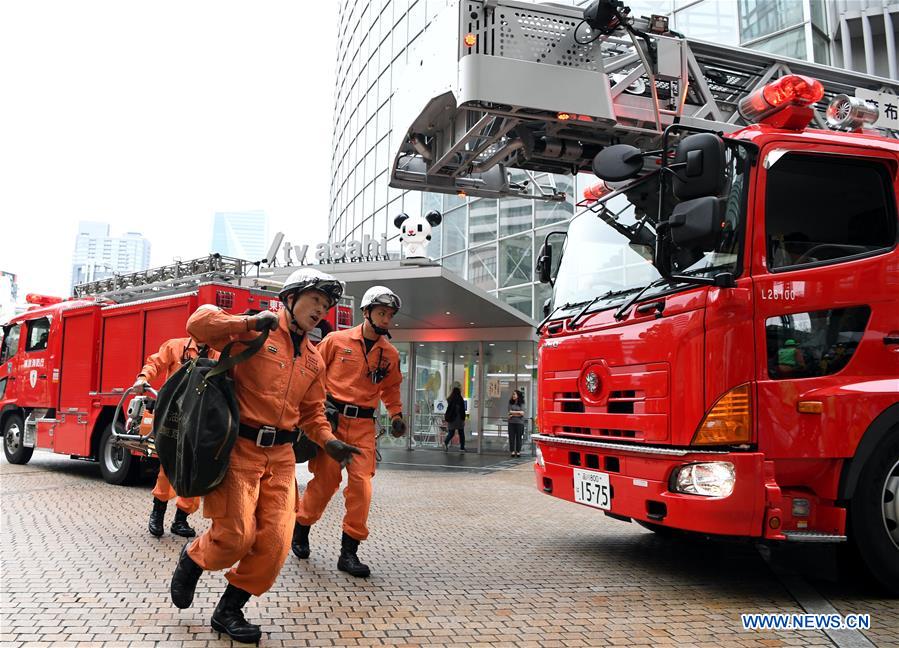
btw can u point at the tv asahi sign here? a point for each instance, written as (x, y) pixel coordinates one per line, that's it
(368, 249)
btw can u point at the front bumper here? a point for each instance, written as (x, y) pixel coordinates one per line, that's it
(639, 478)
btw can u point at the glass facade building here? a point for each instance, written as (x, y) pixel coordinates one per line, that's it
(98, 255)
(240, 234)
(489, 242)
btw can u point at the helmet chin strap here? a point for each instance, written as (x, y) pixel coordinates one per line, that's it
(296, 325)
(377, 329)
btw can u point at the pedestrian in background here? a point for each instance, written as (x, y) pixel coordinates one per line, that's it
(455, 418)
(516, 423)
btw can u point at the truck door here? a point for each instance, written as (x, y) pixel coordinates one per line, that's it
(9, 360)
(826, 278)
(34, 390)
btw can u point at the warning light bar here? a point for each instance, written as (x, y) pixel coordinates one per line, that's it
(596, 191)
(41, 300)
(789, 90)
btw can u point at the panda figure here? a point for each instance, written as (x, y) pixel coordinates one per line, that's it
(415, 232)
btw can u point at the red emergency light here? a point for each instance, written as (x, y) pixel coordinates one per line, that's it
(596, 191)
(783, 103)
(41, 300)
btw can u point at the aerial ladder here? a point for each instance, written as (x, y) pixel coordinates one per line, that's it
(542, 88)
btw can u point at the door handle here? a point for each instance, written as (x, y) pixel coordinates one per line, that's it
(891, 338)
(658, 307)
(43, 376)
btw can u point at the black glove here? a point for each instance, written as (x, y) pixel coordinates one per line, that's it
(264, 321)
(341, 452)
(397, 427)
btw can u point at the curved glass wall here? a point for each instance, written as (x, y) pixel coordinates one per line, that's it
(491, 243)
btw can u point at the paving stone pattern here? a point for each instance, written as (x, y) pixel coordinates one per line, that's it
(457, 558)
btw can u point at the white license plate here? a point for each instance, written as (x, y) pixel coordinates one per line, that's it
(592, 488)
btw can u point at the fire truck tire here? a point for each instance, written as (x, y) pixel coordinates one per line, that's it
(874, 513)
(13, 440)
(118, 466)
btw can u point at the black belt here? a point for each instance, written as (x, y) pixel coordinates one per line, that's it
(268, 436)
(352, 411)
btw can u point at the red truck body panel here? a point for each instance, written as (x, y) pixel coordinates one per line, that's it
(95, 349)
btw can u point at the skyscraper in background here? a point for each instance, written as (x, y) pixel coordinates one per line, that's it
(240, 234)
(99, 255)
(8, 295)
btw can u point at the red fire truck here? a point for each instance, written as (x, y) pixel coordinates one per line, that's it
(720, 352)
(65, 364)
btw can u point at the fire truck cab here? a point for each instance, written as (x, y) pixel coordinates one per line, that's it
(720, 353)
(727, 362)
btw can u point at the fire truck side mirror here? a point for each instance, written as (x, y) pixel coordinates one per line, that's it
(545, 263)
(699, 166)
(696, 224)
(618, 162)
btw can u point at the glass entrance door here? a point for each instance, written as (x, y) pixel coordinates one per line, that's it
(439, 366)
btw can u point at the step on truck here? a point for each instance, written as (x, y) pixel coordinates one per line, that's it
(65, 364)
(720, 353)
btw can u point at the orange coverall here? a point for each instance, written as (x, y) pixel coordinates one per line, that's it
(162, 364)
(348, 381)
(252, 509)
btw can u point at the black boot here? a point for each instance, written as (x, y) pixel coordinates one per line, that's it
(181, 527)
(228, 616)
(157, 518)
(348, 560)
(300, 543)
(184, 580)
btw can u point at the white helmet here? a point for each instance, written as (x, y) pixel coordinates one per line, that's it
(312, 279)
(380, 296)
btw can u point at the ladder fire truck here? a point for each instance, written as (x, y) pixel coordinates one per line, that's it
(65, 365)
(720, 353)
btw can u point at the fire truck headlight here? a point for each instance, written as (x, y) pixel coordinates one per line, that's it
(539, 457)
(713, 479)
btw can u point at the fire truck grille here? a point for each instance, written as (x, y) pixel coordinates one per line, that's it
(635, 407)
(606, 434)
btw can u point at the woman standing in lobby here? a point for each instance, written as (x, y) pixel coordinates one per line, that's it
(516, 423)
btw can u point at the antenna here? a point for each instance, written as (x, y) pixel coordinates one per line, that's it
(272, 255)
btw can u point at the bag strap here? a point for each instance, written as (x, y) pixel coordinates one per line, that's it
(227, 361)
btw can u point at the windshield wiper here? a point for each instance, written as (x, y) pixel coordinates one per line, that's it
(620, 313)
(612, 293)
(549, 317)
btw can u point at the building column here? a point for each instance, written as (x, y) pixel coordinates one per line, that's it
(869, 43)
(891, 44)
(481, 398)
(846, 41)
(410, 395)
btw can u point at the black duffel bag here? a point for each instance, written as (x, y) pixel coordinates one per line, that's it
(197, 419)
(305, 448)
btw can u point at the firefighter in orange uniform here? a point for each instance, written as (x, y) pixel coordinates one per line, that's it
(362, 369)
(165, 362)
(278, 389)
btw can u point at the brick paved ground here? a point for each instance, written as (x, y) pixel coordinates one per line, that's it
(458, 559)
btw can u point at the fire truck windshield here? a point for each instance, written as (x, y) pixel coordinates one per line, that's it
(609, 250)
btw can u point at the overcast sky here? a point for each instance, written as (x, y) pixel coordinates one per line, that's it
(154, 115)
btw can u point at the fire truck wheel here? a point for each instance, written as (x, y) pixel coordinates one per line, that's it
(874, 513)
(13, 440)
(118, 465)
